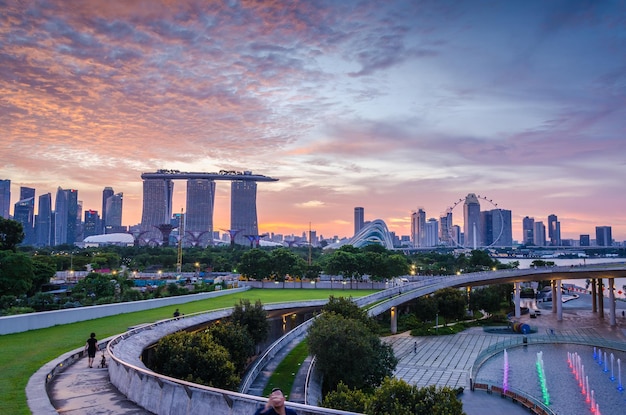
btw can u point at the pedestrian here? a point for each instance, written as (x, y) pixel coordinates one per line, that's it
(414, 347)
(275, 405)
(176, 313)
(91, 346)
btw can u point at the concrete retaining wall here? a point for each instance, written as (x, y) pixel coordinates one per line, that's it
(33, 321)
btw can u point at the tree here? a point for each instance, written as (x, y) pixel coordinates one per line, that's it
(11, 234)
(16, 273)
(346, 399)
(396, 397)
(426, 308)
(347, 351)
(345, 262)
(255, 264)
(236, 340)
(195, 357)
(42, 273)
(451, 303)
(253, 318)
(284, 262)
(349, 309)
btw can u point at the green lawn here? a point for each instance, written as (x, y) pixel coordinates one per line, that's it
(22, 354)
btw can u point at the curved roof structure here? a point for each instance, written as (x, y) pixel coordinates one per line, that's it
(110, 239)
(374, 232)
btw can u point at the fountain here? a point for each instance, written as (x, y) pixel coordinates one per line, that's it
(619, 377)
(542, 379)
(612, 374)
(505, 377)
(606, 369)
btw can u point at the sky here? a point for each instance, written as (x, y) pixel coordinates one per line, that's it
(387, 105)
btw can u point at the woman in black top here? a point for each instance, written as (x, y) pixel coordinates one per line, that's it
(91, 346)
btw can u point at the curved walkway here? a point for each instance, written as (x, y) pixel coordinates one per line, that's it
(441, 361)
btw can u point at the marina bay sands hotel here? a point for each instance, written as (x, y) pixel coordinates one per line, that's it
(158, 190)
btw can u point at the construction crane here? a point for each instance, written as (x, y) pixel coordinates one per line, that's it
(181, 233)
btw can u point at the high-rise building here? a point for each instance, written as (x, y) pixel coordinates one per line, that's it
(359, 219)
(539, 234)
(471, 221)
(445, 227)
(157, 206)
(24, 213)
(554, 230)
(243, 213)
(604, 236)
(528, 230)
(92, 223)
(585, 240)
(496, 227)
(43, 221)
(114, 205)
(199, 215)
(65, 214)
(106, 193)
(431, 232)
(418, 228)
(5, 197)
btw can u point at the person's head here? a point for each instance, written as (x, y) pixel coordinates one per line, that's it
(92, 335)
(276, 398)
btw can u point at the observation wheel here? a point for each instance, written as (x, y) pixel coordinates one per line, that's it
(494, 207)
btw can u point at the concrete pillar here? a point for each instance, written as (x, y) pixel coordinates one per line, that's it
(594, 300)
(517, 298)
(553, 286)
(612, 302)
(394, 320)
(559, 301)
(600, 299)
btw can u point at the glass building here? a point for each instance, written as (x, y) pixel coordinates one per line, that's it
(471, 221)
(5, 198)
(243, 214)
(43, 221)
(157, 205)
(199, 215)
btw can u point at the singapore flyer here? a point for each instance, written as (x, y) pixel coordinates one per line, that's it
(470, 212)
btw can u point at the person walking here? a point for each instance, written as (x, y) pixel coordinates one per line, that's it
(275, 405)
(91, 346)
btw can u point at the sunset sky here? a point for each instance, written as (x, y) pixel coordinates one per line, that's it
(388, 105)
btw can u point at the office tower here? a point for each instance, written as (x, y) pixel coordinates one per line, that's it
(456, 235)
(471, 221)
(114, 204)
(603, 236)
(585, 240)
(554, 230)
(497, 229)
(92, 223)
(106, 193)
(243, 214)
(431, 232)
(359, 219)
(43, 221)
(539, 234)
(65, 214)
(528, 231)
(486, 228)
(24, 213)
(199, 214)
(79, 222)
(445, 227)
(418, 228)
(157, 205)
(5, 198)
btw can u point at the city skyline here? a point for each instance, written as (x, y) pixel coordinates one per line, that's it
(389, 106)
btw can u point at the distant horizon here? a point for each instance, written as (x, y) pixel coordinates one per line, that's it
(457, 212)
(390, 105)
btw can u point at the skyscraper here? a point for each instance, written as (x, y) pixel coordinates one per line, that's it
(114, 205)
(604, 236)
(5, 198)
(431, 232)
(539, 234)
(471, 221)
(528, 230)
(92, 223)
(106, 193)
(43, 221)
(359, 219)
(157, 205)
(445, 229)
(554, 230)
(418, 228)
(65, 216)
(243, 213)
(199, 215)
(24, 213)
